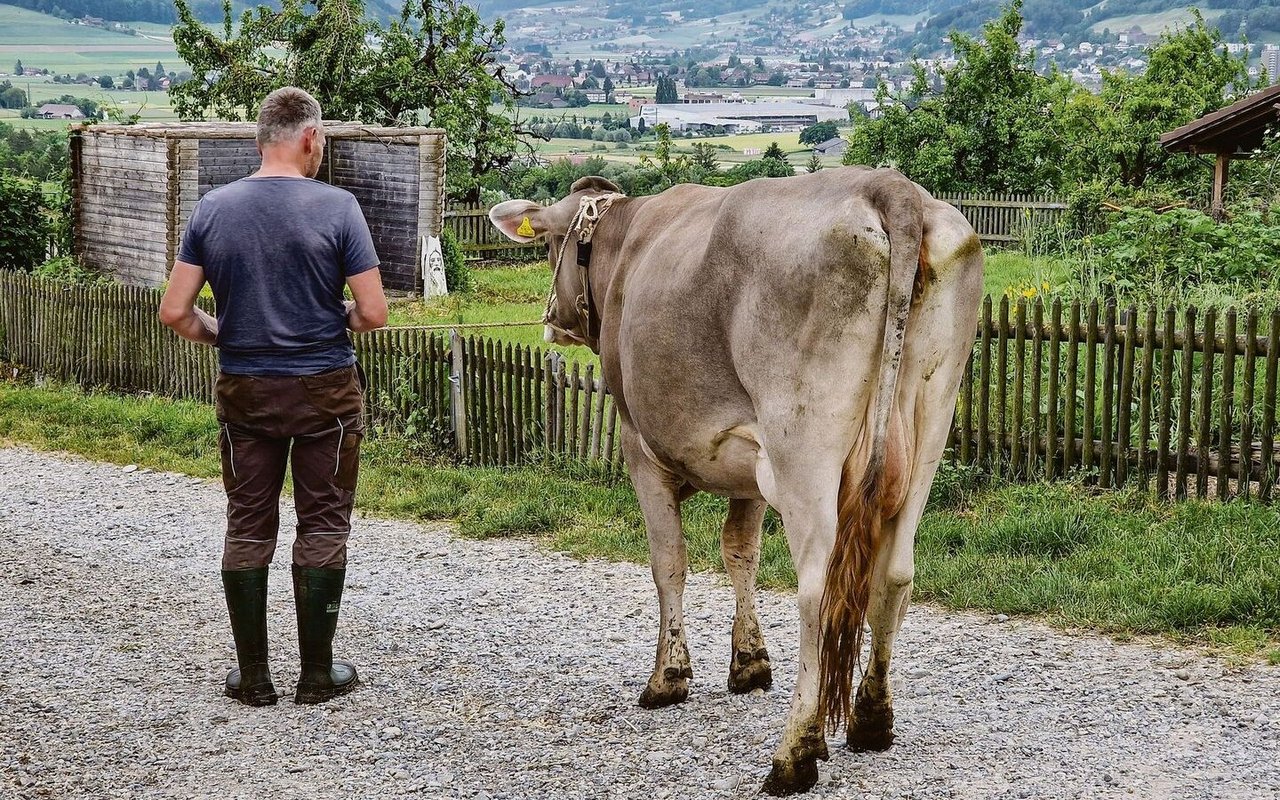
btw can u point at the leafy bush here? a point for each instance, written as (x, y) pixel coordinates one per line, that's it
(1160, 257)
(456, 271)
(24, 227)
(68, 269)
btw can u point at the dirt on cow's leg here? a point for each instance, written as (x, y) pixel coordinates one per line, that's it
(749, 666)
(796, 770)
(669, 683)
(871, 726)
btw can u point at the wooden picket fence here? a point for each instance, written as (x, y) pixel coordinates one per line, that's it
(1009, 218)
(1169, 400)
(997, 219)
(1164, 400)
(490, 402)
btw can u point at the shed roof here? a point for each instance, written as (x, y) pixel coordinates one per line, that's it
(1238, 128)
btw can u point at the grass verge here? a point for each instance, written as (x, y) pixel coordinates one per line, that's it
(1118, 562)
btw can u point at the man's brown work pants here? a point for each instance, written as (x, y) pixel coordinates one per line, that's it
(316, 422)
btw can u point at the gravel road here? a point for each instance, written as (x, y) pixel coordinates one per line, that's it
(498, 670)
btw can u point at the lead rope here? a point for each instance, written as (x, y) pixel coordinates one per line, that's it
(590, 209)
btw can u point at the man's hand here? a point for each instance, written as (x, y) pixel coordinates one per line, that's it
(178, 306)
(369, 309)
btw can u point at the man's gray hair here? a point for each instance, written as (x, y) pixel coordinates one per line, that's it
(285, 114)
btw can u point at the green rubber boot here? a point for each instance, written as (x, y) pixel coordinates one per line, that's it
(317, 595)
(246, 592)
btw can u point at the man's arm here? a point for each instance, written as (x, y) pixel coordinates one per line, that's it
(178, 307)
(369, 309)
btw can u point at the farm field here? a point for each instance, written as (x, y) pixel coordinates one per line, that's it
(797, 154)
(43, 41)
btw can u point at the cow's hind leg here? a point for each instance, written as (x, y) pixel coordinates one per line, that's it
(740, 549)
(871, 724)
(809, 517)
(659, 495)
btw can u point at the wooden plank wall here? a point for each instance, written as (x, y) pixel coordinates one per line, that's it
(384, 179)
(121, 209)
(1009, 218)
(134, 196)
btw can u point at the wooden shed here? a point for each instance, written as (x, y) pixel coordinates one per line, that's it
(1228, 133)
(134, 188)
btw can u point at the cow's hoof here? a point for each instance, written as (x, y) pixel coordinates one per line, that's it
(663, 695)
(863, 740)
(750, 671)
(871, 730)
(791, 777)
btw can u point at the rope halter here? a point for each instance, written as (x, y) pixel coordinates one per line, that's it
(590, 209)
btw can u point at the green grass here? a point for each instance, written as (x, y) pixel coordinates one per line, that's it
(1117, 562)
(1008, 270)
(509, 292)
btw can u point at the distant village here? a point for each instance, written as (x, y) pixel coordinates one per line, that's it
(842, 66)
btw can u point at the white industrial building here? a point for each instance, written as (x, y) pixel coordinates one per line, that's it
(738, 117)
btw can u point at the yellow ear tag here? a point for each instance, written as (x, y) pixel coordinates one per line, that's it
(526, 228)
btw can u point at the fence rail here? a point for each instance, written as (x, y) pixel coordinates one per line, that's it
(997, 219)
(1170, 400)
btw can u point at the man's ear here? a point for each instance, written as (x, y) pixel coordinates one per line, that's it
(519, 220)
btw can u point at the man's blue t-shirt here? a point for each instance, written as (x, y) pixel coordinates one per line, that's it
(277, 252)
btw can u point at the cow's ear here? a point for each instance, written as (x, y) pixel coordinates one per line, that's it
(519, 220)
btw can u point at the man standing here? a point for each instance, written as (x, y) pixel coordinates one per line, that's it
(276, 248)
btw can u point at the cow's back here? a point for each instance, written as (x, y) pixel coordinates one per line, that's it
(746, 307)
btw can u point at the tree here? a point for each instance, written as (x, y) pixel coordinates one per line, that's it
(608, 90)
(106, 82)
(23, 225)
(666, 92)
(11, 96)
(773, 151)
(1115, 135)
(814, 164)
(990, 128)
(17, 68)
(819, 133)
(435, 64)
(704, 156)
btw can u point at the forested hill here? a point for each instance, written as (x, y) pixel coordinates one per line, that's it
(162, 11)
(1072, 20)
(120, 10)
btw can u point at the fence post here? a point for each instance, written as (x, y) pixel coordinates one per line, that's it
(458, 409)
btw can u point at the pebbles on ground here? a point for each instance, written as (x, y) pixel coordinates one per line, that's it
(498, 670)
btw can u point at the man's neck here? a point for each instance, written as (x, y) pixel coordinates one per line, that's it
(278, 168)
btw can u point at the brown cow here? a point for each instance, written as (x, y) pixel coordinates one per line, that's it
(791, 341)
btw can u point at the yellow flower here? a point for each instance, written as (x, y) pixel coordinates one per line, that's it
(1029, 292)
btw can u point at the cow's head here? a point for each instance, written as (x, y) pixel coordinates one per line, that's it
(525, 221)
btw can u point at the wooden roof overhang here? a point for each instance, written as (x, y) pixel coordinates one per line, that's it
(1234, 130)
(1231, 132)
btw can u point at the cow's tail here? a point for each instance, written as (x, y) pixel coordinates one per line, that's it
(847, 591)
